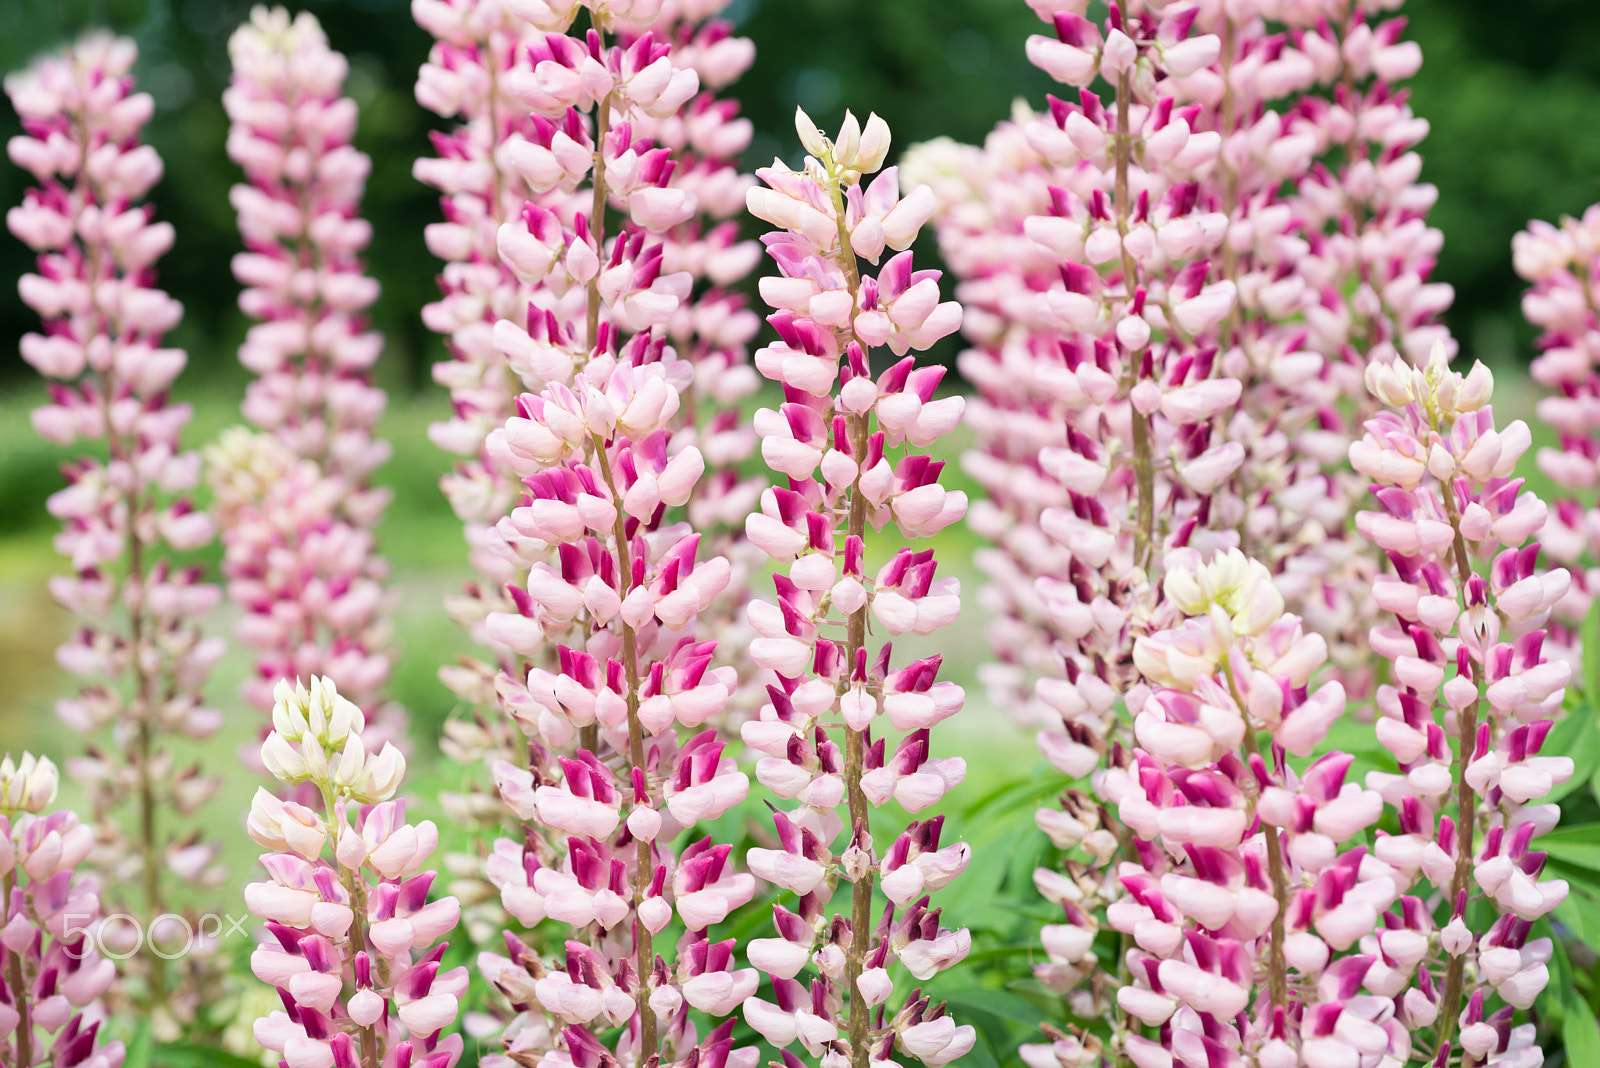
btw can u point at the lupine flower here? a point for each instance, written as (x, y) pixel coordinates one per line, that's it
(832, 439)
(527, 259)
(297, 507)
(1245, 857)
(52, 974)
(1099, 282)
(478, 42)
(1497, 688)
(622, 356)
(637, 588)
(579, 216)
(352, 941)
(109, 382)
(1556, 261)
(1161, 336)
(1354, 226)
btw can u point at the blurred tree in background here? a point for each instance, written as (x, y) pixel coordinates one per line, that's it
(1511, 101)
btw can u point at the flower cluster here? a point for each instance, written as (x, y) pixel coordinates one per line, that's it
(613, 549)
(51, 975)
(574, 220)
(478, 44)
(1560, 264)
(353, 941)
(1109, 398)
(621, 595)
(1236, 857)
(295, 502)
(1232, 487)
(109, 382)
(1354, 231)
(1095, 272)
(1469, 603)
(835, 439)
(1239, 852)
(530, 178)
(1172, 292)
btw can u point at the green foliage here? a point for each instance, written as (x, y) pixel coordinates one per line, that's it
(1510, 102)
(1581, 1036)
(185, 1055)
(1577, 736)
(139, 1048)
(1591, 663)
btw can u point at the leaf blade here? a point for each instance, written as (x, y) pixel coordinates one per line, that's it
(1581, 1035)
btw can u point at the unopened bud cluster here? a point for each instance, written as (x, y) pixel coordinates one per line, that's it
(353, 941)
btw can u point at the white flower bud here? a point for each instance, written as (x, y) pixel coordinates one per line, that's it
(811, 138)
(874, 145)
(28, 786)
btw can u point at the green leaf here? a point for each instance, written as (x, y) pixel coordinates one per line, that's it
(1355, 738)
(189, 1055)
(1579, 879)
(1581, 1035)
(1590, 634)
(1561, 986)
(1045, 782)
(1577, 736)
(1577, 846)
(1579, 915)
(139, 1048)
(1001, 1003)
(1577, 833)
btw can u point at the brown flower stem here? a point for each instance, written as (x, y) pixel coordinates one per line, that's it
(1143, 459)
(855, 747)
(1466, 797)
(1277, 971)
(148, 843)
(589, 736)
(19, 989)
(643, 866)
